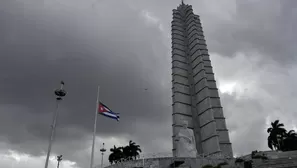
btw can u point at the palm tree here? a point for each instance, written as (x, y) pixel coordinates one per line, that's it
(270, 142)
(290, 141)
(276, 135)
(292, 134)
(116, 155)
(127, 153)
(135, 149)
(111, 158)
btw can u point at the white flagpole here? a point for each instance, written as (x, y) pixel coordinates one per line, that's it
(95, 126)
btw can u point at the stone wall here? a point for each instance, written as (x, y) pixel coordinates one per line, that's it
(275, 160)
(166, 162)
(273, 154)
(147, 163)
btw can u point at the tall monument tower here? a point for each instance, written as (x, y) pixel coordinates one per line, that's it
(195, 94)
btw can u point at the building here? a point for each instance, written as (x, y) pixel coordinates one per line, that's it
(195, 94)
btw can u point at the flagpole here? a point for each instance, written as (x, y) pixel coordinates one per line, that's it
(95, 126)
(59, 93)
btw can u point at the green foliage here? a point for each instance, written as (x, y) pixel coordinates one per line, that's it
(280, 139)
(208, 166)
(129, 152)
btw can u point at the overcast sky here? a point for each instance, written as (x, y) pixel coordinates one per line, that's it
(124, 46)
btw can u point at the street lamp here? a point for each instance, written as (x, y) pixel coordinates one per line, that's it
(59, 159)
(102, 150)
(60, 93)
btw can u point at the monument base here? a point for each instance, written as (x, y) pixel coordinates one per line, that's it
(169, 162)
(275, 160)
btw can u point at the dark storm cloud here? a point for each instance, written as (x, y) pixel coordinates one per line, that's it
(262, 26)
(108, 42)
(37, 51)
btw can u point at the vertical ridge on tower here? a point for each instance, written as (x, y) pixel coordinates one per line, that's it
(195, 94)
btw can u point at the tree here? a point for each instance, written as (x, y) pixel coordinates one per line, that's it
(116, 155)
(111, 158)
(129, 152)
(276, 135)
(280, 139)
(270, 142)
(290, 141)
(134, 149)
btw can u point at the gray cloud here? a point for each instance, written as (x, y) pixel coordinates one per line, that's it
(111, 43)
(262, 26)
(44, 51)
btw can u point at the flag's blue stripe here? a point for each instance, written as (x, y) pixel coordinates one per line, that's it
(116, 117)
(112, 112)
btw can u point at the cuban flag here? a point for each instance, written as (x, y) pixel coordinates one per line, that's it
(104, 110)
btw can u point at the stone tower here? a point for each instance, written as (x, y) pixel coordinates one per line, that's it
(195, 94)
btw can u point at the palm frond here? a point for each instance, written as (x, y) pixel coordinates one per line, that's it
(276, 122)
(280, 125)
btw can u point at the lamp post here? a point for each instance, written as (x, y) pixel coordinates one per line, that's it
(102, 150)
(60, 93)
(59, 159)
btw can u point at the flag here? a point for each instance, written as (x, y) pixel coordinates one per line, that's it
(104, 110)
